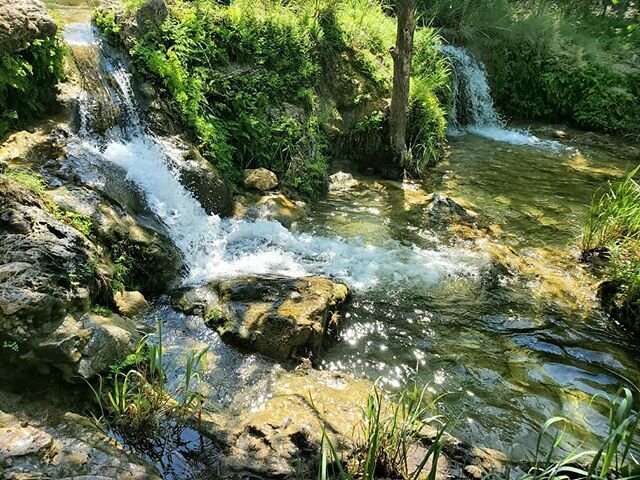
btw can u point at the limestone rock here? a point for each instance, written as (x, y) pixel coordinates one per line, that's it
(282, 437)
(22, 22)
(45, 265)
(200, 300)
(279, 208)
(130, 304)
(38, 441)
(260, 179)
(49, 274)
(281, 318)
(88, 346)
(341, 181)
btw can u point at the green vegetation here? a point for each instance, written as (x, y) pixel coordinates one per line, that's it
(27, 178)
(552, 59)
(395, 445)
(34, 182)
(612, 232)
(281, 85)
(134, 399)
(27, 79)
(391, 433)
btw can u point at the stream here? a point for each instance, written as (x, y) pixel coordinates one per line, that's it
(509, 351)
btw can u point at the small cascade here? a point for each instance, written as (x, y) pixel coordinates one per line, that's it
(472, 109)
(212, 247)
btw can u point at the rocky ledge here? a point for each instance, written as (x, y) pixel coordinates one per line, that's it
(22, 22)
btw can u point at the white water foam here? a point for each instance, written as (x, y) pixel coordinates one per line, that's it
(213, 248)
(473, 105)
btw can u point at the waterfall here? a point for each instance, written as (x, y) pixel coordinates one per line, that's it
(214, 248)
(472, 109)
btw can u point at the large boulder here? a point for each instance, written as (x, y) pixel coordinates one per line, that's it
(281, 318)
(49, 275)
(260, 179)
(46, 267)
(22, 22)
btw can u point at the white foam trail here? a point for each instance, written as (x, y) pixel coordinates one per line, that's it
(473, 105)
(513, 136)
(213, 248)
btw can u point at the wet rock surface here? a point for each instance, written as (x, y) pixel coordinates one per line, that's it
(281, 318)
(282, 437)
(39, 440)
(444, 209)
(204, 181)
(22, 22)
(278, 208)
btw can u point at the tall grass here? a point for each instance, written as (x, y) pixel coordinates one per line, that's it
(614, 216)
(390, 435)
(612, 233)
(134, 401)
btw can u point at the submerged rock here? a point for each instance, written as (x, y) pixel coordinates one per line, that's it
(279, 208)
(444, 209)
(281, 318)
(260, 179)
(22, 22)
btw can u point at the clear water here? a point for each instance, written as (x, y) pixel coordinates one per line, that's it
(509, 352)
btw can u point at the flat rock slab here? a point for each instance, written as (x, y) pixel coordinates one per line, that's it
(281, 318)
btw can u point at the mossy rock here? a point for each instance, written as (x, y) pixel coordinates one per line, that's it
(281, 318)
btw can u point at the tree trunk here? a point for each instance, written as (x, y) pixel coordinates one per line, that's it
(402, 52)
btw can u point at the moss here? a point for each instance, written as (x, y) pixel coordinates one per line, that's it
(27, 178)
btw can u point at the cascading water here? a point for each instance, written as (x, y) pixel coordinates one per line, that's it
(214, 248)
(473, 111)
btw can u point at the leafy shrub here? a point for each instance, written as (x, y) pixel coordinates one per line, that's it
(250, 77)
(27, 80)
(551, 59)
